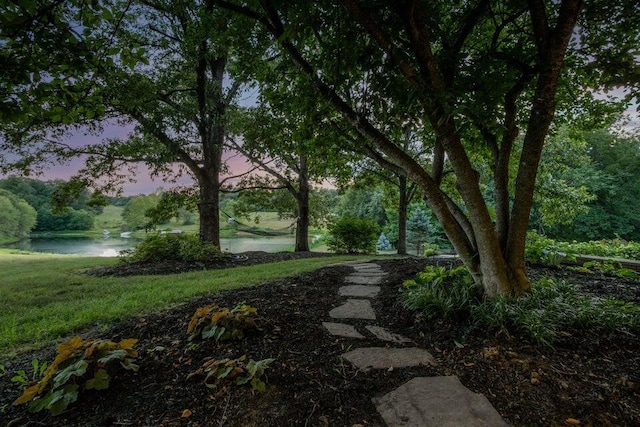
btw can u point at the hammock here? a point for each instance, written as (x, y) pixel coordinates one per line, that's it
(260, 232)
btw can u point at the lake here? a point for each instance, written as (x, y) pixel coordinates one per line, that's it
(109, 247)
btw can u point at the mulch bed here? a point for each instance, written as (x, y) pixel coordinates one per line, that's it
(587, 377)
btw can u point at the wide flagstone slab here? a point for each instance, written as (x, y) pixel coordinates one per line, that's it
(366, 266)
(342, 330)
(368, 358)
(354, 309)
(437, 402)
(386, 335)
(363, 280)
(362, 291)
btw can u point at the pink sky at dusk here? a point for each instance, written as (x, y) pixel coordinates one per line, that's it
(144, 183)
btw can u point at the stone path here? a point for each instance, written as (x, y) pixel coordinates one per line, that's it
(422, 401)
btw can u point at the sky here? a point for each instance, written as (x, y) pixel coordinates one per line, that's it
(143, 184)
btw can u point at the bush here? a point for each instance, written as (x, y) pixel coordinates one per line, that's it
(551, 308)
(79, 365)
(223, 373)
(438, 292)
(222, 324)
(353, 235)
(175, 247)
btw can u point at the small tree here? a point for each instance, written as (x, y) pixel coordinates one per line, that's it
(418, 228)
(353, 235)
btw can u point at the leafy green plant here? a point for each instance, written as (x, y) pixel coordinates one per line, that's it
(3, 371)
(610, 267)
(79, 365)
(353, 235)
(538, 246)
(552, 307)
(439, 292)
(430, 249)
(222, 324)
(38, 370)
(226, 372)
(178, 247)
(542, 250)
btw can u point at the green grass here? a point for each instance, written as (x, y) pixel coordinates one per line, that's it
(45, 297)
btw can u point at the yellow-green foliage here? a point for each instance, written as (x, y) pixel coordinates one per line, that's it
(79, 365)
(226, 372)
(222, 324)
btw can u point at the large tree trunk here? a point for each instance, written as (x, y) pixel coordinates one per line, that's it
(302, 198)
(208, 209)
(403, 206)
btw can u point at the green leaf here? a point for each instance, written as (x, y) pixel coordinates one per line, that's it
(118, 354)
(258, 385)
(63, 399)
(77, 369)
(99, 382)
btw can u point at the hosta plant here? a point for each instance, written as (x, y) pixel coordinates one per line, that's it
(79, 365)
(222, 324)
(226, 372)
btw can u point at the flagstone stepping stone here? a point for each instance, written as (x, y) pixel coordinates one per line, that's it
(367, 273)
(354, 309)
(342, 330)
(363, 280)
(366, 266)
(359, 291)
(386, 335)
(368, 358)
(437, 401)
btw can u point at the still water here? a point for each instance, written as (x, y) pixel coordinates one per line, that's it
(109, 247)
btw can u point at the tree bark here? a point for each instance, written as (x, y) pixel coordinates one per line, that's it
(403, 206)
(208, 210)
(302, 197)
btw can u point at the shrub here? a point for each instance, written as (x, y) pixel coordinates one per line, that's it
(438, 292)
(178, 247)
(430, 249)
(540, 246)
(79, 365)
(222, 324)
(552, 307)
(227, 372)
(353, 235)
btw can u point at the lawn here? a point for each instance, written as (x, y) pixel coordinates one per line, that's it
(46, 297)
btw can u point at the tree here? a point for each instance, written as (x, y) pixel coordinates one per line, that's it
(17, 217)
(612, 175)
(479, 73)
(163, 67)
(292, 139)
(135, 213)
(40, 195)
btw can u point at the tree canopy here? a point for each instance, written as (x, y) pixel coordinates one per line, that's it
(480, 86)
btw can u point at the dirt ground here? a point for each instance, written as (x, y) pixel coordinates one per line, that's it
(587, 377)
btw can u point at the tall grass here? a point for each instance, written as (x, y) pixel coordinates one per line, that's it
(45, 297)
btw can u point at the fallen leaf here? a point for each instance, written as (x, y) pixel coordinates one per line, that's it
(572, 421)
(186, 413)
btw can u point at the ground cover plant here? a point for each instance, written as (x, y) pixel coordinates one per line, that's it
(79, 365)
(588, 375)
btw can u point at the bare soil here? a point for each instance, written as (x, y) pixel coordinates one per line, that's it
(587, 377)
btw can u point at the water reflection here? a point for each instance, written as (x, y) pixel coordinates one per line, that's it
(107, 247)
(111, 246)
